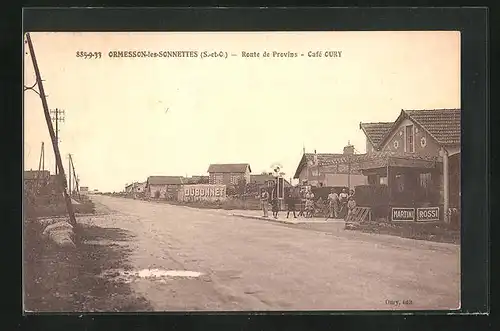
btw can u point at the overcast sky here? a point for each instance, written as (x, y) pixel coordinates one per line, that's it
(236, 110)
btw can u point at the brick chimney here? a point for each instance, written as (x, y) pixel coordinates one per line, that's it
(315, 158)
(349, 149)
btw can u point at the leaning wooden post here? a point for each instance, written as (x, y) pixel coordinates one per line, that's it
(62, 176)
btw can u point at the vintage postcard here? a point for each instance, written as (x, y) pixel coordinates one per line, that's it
(242, 171)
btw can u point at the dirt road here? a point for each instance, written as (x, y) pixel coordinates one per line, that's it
(257, 265)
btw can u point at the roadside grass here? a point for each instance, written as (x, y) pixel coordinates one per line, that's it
(436, 232)
(58, 280)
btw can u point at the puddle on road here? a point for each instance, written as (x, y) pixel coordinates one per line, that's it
(151, 274)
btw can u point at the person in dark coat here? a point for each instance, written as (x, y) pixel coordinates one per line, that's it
(275, 207)
(291, 205)
(264, 199)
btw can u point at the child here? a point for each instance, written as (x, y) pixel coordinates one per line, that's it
(309, 208)
(351, 204)
(275, 207)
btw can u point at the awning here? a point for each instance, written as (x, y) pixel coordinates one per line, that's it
(398, 162)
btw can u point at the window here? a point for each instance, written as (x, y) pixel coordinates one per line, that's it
(425, 180)
(400, 185)
(383, 180)
(409, 145)
(234, 179)
(315, 172)
(219, 179)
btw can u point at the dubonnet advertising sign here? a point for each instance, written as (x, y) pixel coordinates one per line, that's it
(203, 192)
(428, 214)
(403, 214)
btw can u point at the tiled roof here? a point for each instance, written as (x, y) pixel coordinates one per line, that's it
(164, 180)
(232, 168)
(442, 124)
(323, 159)
(375, 132)
(385, 154)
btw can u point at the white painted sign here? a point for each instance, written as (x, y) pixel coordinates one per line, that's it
(403, 214)
(428, 214)
(203, 192)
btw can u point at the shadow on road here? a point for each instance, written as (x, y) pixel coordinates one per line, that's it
(57, 280)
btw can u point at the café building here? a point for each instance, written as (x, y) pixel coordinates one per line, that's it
(413, 165)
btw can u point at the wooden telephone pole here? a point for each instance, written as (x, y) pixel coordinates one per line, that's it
(59, 164)
(58, 116)
(41, 169)
(69, 175)
(75, 177)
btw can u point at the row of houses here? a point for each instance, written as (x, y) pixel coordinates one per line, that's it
(219, 174)
(416, 156)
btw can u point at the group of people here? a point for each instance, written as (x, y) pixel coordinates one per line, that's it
(339, 205)
(275, 206)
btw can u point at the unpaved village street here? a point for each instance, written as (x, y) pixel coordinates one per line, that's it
(251, 264)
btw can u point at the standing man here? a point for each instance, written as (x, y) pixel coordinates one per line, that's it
(291, 205)
(333, 201)
(351, 203)
(343, 196)
(264, 199)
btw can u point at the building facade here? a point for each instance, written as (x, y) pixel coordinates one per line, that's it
(417, 157)
(326, 169)
(163, 187)
(229, 174)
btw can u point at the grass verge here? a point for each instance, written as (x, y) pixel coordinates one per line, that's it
(57, 280)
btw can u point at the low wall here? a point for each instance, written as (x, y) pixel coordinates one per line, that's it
(228, 204)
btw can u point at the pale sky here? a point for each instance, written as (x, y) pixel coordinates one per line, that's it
(236, 110)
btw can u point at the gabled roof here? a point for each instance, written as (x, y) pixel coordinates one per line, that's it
(233, 168)
(375, 132)
(443, 125)
(323, 159)
(164, 180)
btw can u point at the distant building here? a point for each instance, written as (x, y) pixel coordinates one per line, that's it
(135, 187)
(35, 177)
(163, 187)
(229, 174)
(30, 175)
(196, 180)
(330, 169)
(265, 180)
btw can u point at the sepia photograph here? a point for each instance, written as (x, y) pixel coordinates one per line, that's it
(241, 171)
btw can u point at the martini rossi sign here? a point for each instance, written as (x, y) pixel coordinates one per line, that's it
(429, 214)
(403, 214)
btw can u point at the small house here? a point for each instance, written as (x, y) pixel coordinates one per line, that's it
(229, 174)
(163, 187)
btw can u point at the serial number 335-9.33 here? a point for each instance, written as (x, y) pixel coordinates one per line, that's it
(89, 55)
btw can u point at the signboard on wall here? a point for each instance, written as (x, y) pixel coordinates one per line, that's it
(428, 214)
(203, 192)
(403, 214)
